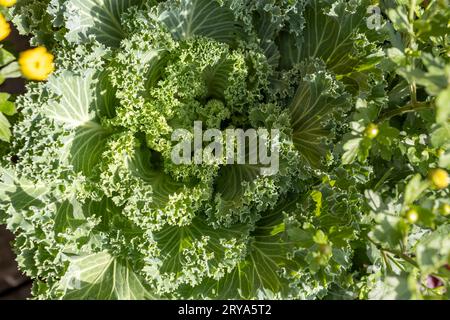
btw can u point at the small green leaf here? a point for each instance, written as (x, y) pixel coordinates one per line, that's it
(7, 107)
(444, 161)
(5, 57)
(317, 197)
(278, 229)
(101, 276)
(12, 70)
(441, 136)
(351, 148)
(373, 200)
(303, 237)
(396, 287)
(396, 56)
(414, 189)
(432, 250)
(320, 237)
(399, 17)
(443, 106)
(5, 133)
(426, 217)
(389, 230)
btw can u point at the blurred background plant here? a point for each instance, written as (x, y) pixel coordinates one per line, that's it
(407, 139)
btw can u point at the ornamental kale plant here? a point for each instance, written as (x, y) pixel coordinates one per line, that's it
(359, 92)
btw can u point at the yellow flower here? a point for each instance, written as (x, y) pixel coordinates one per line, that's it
(36, 64)
(7, 3)
(5, 28)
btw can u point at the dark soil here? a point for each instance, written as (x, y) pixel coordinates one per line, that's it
(13, 284)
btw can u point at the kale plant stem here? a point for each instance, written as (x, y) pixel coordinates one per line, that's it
(411, 107)
(395, 252)
(413, 46)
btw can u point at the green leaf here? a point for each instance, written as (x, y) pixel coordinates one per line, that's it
(373, 200)
(216, 77)
(148, 196)
(444, 161)
(86, 145)
(100, 276)
(5, 57)
(320, 237)
(351, 148)
(196, 252)
(443, 106)
(312, 107)
(440, 137)
(188, 18)
(331, 34)
(414, 189)
(388, 231)
(231, 186)
(396, 287)
(397, 56)
(163, 186)
(7, 107)
(20, 195)
(31, 18)
(69, 215)
(426, 217)
(434, 78)
(75, 107)
(433, 250)
(138, 164)
(12, 70)
(5, 132)
(434, 21)
(265, 271)
(399, 17)
(267, 30)
(317, 197)
(99, 18)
